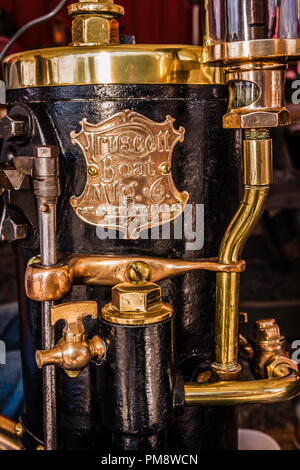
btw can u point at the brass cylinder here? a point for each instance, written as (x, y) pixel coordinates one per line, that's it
(258, 162)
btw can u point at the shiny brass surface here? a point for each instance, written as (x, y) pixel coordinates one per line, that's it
(124, 158)
(73, 352)
(253, 50)
(243, 392)
(96, 6)
(243, 223)
(268, 109)
(78, 269)
(47, 283)
(95, 22)
(258, 162)
(138, 272)
(123, 64)
(19, 430)
(136, 305)
(228, 284)
(10, 434)
(270, 353)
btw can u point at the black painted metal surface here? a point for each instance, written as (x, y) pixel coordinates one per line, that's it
(136, 382)
(206, 165)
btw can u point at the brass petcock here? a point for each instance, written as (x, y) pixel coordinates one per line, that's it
(73, 352)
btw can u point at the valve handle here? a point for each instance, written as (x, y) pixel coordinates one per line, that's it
(73, 314)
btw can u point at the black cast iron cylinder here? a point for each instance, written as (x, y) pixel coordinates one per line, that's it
(137, 378)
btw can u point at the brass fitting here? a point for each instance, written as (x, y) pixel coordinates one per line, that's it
(136, 305)
(95, 22)
(258, 162)
(256, 96)
(73, 352)
(270, 358)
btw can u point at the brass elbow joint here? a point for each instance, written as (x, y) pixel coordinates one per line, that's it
(73, 352)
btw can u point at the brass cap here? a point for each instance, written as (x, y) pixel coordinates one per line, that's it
(95, 22)
(136, 305)
(129, 298)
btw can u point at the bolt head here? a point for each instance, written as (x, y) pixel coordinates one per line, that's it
(129, 298)
(13, 231)
(165, 168)
(138, 272)
(93, 170)
(95, 29)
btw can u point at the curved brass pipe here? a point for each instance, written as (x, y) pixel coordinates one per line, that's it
(244, 392)
(243, 223)
(228, 284)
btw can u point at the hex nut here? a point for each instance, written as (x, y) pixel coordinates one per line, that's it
(13, 231)
(129, 298)
(94, 29)
(10, 127)
(257, 119)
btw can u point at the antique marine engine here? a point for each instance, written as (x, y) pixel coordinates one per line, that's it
(129, 324)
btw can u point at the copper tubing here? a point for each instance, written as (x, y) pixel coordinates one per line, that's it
(244, 392)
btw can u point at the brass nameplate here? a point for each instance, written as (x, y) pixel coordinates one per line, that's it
(128, 160)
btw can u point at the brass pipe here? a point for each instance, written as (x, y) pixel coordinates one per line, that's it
(9, 439)
(243, 392)
(228, 284)
(257, 169)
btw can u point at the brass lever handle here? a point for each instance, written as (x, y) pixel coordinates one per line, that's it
(56, 282)
(73, 352)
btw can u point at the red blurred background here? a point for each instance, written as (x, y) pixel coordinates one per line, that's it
(151, 21)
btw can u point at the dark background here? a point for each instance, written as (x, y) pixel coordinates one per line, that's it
(151, 21)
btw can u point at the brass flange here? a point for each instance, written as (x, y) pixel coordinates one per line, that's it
(96, 6)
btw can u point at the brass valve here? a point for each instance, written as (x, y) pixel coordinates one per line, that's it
(270, 356)
(73, 352)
